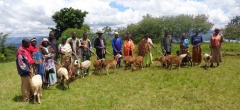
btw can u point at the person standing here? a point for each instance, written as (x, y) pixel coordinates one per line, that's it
(144, 50)
(196, 41)
(48, 55)
(128, 46)
(86, 47)
(216, 42)
(33, 48)
(100, 45)
(53, 43)
(166, 43)
(75, 44)
(184, 44)
(24, 62)
(117, 47)
(64, 49)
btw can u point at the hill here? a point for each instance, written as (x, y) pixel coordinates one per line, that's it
(17, 41)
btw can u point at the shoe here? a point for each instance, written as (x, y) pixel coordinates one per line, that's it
(85, 72)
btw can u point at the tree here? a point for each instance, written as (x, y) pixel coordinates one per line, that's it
(3, 38)
(232, 30)
(108, 31)
(155, 26)
(68, 18)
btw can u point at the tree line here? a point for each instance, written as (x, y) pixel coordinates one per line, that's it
(69, 19)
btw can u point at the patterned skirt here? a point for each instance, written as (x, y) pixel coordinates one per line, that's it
(197, 54)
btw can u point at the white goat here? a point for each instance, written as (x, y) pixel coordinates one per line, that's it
(207, 58)
(84, 66)
(36, 87)
(62, 73)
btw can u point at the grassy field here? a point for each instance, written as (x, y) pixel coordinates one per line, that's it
(150, 88)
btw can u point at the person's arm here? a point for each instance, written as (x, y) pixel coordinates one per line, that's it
(120, 44)
(113, 46)
(23, 64)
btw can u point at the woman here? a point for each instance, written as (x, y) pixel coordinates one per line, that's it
(64, 49)
(144, 50)
(128, 46)
(48, 55)
(197, 49)
(216, 42)
(184, 44)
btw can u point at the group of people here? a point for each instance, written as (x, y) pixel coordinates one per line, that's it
(81, 49)
(216, 42)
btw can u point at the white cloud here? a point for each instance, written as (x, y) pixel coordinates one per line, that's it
(33, 17)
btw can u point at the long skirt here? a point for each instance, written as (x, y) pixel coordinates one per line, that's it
(197, 54)
(148, 58)
(216, 55)
(52, 77)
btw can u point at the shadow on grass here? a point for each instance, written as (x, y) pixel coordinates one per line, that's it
(18, 98)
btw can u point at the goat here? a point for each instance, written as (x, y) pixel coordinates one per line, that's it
(137, 61)
(163, 60)
(128, 60)
(99, 64)
(36, 87)
(84, 66)
(174, 60)
(112, 63)
(207, 58)
(187, 58)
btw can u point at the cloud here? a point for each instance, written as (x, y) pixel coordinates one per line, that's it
(33, 17)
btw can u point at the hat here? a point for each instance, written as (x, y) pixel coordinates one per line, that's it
(99, 32)
(33, 39)
(115, 33)
(184, 34)
(64, 37)
(44, 39)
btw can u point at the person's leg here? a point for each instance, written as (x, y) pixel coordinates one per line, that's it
(25, 87)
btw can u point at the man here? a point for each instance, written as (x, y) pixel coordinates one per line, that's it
(100, 45)
(117, 47)
(128, 46)
(24, 62)
(166, 43)
(53, 43)
(75, 44)
(196, 41)
(86, 47)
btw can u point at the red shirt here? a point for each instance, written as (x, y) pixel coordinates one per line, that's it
(32, 49)
(28, 55)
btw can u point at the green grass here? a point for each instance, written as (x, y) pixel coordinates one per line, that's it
(150, 88)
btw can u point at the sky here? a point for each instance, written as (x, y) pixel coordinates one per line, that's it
(30, 18)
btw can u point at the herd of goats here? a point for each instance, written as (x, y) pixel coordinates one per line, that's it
(69, 69)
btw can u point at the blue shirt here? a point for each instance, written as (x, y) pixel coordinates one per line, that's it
(197, 40)
(117, 44)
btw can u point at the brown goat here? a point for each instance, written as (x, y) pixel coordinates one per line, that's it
(99, 64)
(138, 61)
(163, 60)
(128, 61)
(112, 63)
(174, 60)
